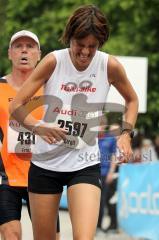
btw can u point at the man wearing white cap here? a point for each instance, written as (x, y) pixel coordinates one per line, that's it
(24, 53)
(24, 33)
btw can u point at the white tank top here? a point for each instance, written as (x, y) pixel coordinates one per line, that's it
(73, 100)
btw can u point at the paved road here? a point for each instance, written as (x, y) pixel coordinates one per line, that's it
(66, 228)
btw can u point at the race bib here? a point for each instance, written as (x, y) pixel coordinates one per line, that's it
(77, 122)
(20, 140)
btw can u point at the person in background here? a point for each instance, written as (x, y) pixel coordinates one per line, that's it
(111, 201)
(156, 145)
(77, 79)
(148, 153)
(136, 146)
(107, 147)
(24, 53)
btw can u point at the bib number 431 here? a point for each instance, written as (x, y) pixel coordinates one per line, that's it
(26, 138)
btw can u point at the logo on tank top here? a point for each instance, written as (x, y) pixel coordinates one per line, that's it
(33, 98)
(74, 112)
(84, 86)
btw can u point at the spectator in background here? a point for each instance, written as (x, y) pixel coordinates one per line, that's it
(148, 152)
(156, 145)
(111, 181)
(107, 146)
(143, 150)
(136, 145)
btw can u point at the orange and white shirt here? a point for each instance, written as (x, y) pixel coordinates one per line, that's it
(16, 141)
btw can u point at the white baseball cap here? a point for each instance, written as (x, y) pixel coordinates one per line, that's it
(24, 33)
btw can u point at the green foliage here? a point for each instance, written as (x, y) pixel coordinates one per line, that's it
(134, 32)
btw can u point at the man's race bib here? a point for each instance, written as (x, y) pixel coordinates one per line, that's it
(78, 123)
(20, 140)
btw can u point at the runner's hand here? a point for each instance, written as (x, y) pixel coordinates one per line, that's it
(124, 146)
(51, 133)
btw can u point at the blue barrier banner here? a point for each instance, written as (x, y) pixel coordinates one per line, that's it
(138, 200)
(63, 201)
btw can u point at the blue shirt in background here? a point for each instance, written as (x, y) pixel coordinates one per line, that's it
(107, 147)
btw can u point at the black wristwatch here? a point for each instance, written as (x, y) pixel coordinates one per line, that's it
(129, 131)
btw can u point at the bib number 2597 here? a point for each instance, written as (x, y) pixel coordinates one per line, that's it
(74, 129)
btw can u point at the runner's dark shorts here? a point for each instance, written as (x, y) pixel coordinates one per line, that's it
(11, 203)
(51, 182)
